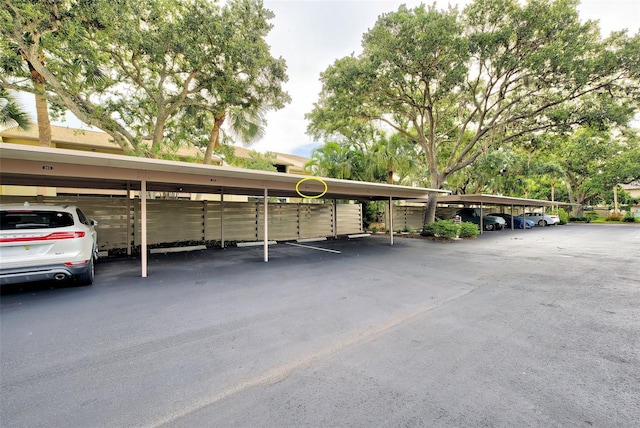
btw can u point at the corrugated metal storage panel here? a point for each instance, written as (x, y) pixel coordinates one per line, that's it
(171, 221)
(283, 221)
(316, 220)
(240, 221)
(212, 221)
(349, 218)
(110, 213)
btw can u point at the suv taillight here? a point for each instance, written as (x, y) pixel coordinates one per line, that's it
(64, 235)
(50, 237)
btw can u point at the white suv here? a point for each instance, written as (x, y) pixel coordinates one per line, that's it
(44, 242)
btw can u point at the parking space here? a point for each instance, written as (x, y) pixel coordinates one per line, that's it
(512, 329)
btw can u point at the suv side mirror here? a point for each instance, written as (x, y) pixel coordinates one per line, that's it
(93, 222)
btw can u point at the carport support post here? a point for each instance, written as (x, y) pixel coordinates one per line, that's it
(512, 220)
(143, 225)
(266, 225)
(129, 226)
(335, 220)
(391, 220)
(222, 218)
(481, 219)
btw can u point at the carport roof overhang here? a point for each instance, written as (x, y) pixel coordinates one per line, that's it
(43, 166)
(496, 200)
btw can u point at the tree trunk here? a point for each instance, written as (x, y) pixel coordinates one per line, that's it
(573, 199)
(436, 182)
(157, 147)
(214, 137)
(42, 108)
(430, 211)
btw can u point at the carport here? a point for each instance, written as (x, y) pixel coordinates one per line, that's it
(492, 200)
(44, 166)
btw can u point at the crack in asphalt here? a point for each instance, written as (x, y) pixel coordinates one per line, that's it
(283, 371)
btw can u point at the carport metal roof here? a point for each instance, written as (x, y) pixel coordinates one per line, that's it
(44, 166)
(496, 200)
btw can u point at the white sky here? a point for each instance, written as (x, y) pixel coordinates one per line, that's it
(311, 34)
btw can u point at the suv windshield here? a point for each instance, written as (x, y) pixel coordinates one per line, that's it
(34, 219)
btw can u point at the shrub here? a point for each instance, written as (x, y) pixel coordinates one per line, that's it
(468, 230)
(629, 218)
(591, 215)
(580, 219)
(443, 229)
(447, 229)
(563, 215)
(614, 217)
(427, 230)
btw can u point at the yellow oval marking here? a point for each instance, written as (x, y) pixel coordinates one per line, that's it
(311, 179)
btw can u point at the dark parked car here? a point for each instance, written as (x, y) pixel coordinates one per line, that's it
(517, 221)
(472, 215)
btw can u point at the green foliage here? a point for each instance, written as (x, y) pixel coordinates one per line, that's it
(259, 161)
(591, 215)
(385, 160)
(444, 229)
(563, 216)
(370, 212)
(468, 230)
(593, 161)
(338, 160)
(629, 218)
(256, 160)
(10, 112)
(145, 72)
(459, 84)
(580, 219)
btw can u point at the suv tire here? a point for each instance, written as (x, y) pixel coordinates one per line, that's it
(86, 278)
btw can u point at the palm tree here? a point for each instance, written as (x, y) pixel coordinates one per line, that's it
(396, 156)
(338, 160)
(247, 124)
(10, 112)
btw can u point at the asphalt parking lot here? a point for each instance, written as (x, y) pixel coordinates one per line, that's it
(517, 328)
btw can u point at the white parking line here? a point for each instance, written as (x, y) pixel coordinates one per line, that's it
(313, 248)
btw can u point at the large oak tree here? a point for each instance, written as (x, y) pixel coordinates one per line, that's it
(134, 68)
(460, 83)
